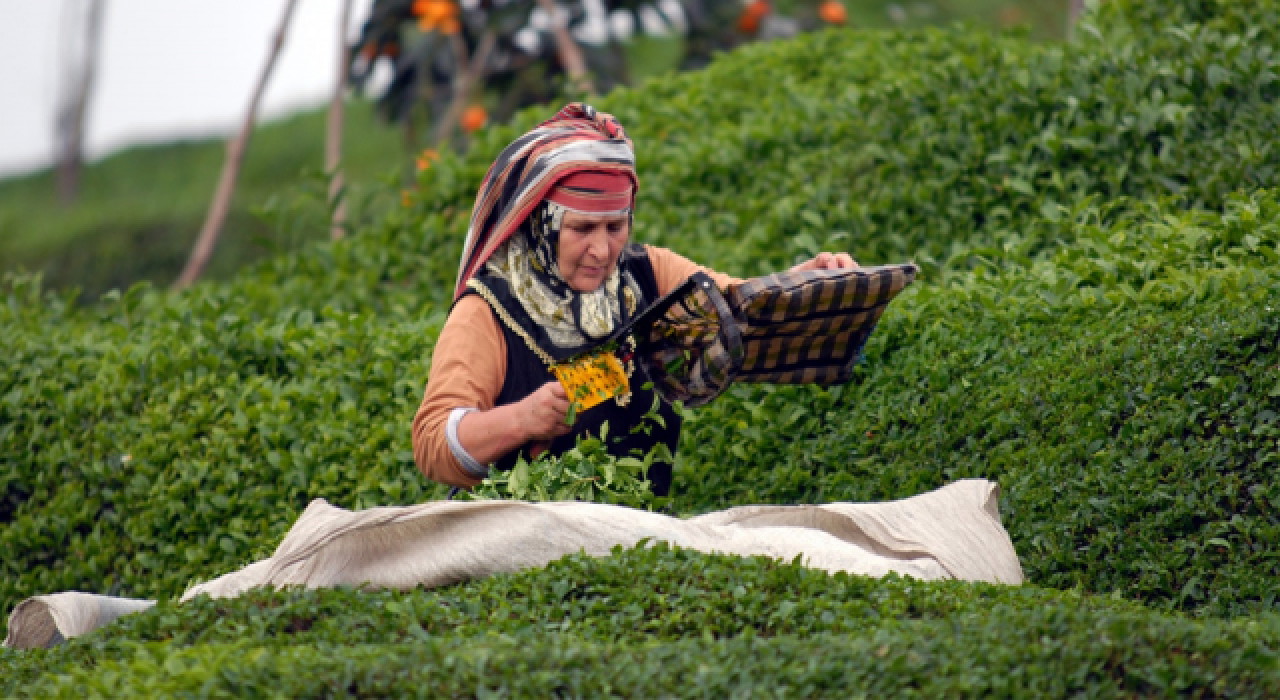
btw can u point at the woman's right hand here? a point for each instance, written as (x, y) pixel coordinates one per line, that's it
(543, 413)
(532, 422)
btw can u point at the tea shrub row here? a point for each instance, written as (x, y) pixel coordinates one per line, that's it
(893, 145)
(706, 624)
(1134, 432)
(1125, 393)
(1096, 330)
(1190, 522)
(925, 145)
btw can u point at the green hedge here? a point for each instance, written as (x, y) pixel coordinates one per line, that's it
(1096, 329)
(1044, 653)
(890, 144)
(1125, 393)
(926, 144)
(706, 625)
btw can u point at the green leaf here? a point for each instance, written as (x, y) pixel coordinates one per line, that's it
(1020, 186)
(518, 482)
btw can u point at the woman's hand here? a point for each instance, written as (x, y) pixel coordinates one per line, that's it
(543, 412)
(827, 261)
(537, 418)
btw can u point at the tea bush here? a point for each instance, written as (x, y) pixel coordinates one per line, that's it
(1125, 393)
(706, 624)
(890, 144)
(1096, 329)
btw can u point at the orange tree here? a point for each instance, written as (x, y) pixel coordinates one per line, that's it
(447, 57)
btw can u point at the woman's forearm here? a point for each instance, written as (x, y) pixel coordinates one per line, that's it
(489, 435)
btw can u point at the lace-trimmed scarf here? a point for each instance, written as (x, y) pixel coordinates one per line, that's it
(528, 263)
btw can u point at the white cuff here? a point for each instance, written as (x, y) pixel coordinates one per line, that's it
(469, 464)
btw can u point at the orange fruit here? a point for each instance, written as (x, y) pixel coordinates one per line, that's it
(424, 160)
(474, 118)
(833, 12)
(749, 21)
(437, 14)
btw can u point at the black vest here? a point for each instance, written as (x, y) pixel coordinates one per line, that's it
(526, 373)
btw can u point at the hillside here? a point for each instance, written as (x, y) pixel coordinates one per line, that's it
(141, 209)
(1096, 329)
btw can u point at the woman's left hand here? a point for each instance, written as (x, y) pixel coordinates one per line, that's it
(827, 261)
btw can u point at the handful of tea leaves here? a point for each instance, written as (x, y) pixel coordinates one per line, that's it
(587, 472)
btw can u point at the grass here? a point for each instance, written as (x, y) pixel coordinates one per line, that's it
(141, 209)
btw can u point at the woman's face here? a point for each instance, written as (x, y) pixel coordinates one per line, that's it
(589, 248)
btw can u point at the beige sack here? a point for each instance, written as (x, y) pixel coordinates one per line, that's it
(951, 533)
(46, 620)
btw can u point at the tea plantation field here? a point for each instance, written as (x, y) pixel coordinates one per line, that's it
(140, 210)
(1096, 328)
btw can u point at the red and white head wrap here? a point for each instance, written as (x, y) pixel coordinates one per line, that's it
(596, 193)
(580, 158)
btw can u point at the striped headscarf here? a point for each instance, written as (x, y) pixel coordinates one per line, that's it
(576, 139)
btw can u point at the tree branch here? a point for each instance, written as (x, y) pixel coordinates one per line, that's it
(333, 137)
(570, 54)
(236, 148)
(469, 73)
(75, 104)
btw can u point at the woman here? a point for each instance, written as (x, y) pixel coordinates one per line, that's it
(548, 271)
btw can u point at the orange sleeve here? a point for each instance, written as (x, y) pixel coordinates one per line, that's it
(671, 268)
(468, 368)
